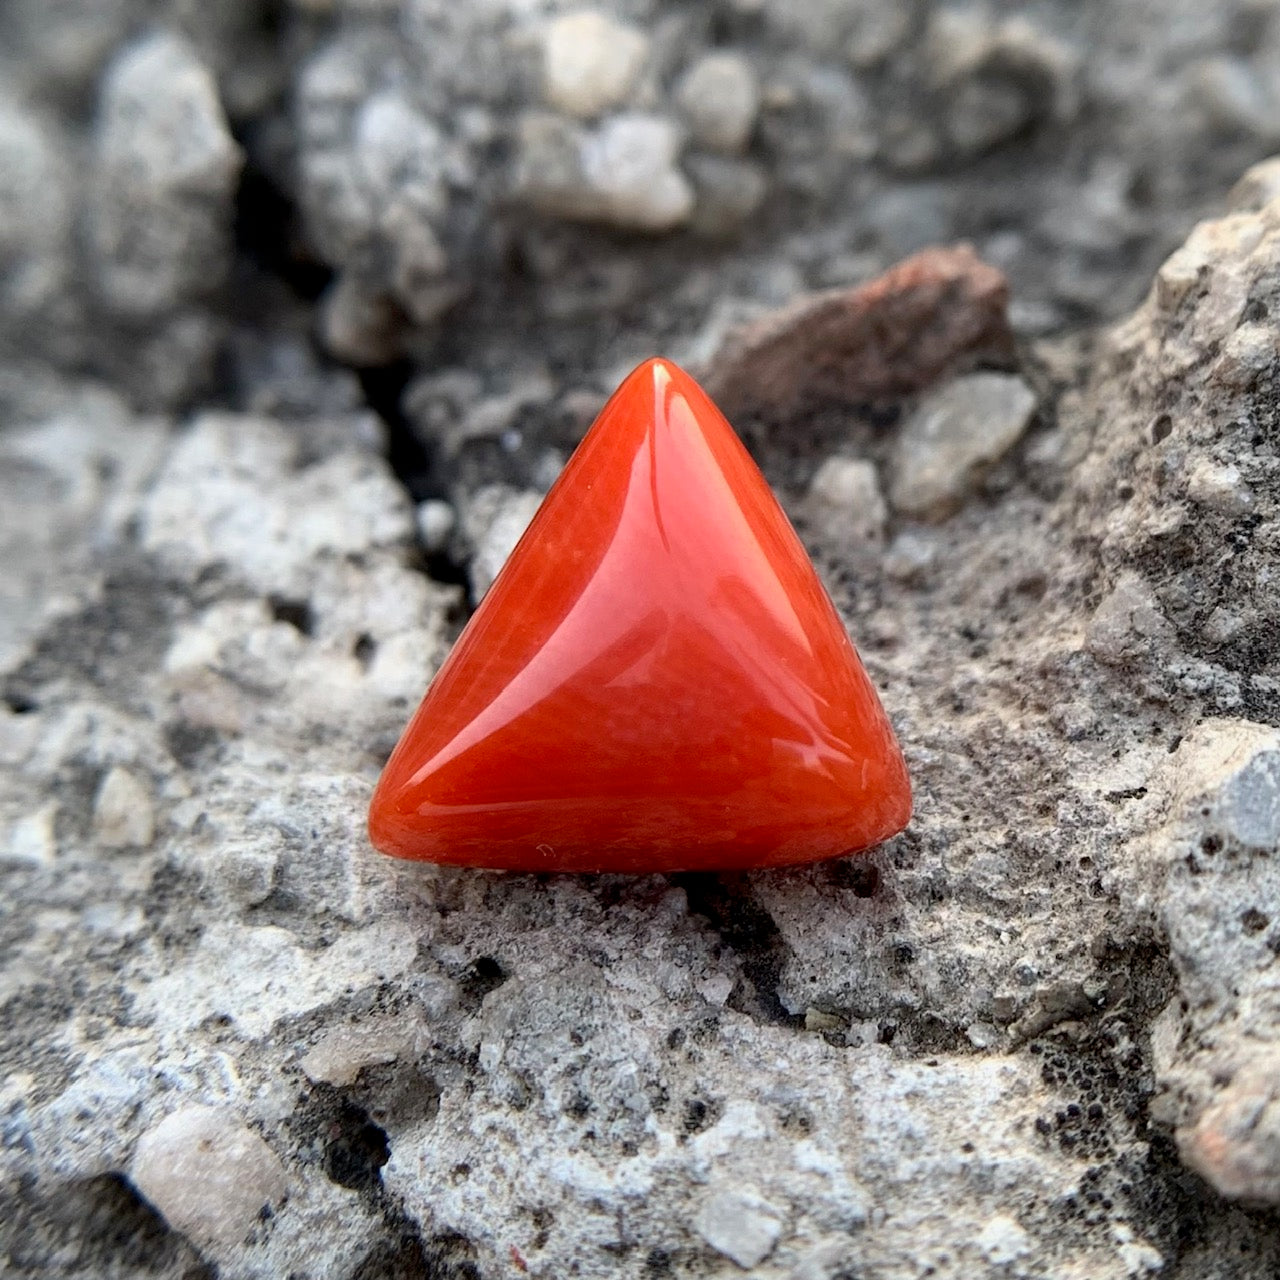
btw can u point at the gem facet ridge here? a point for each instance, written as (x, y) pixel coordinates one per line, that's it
(656, 681)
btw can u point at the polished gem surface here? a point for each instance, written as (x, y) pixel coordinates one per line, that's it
(656, 681)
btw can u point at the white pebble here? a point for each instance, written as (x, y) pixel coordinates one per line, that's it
(436, 520)
(623, 173)
(32, 838)
(494, 521)
(208, 1174)
(631, 162)
(1219, 487)
(739, 1225)
(1247, 354)
(720, 96)
(590, 62)
(123, 813)
(955, 433)
(344, 1051)
(982, 1035)
(1127, 623)
(910, 557)
(1003, 1240)
(844, 501)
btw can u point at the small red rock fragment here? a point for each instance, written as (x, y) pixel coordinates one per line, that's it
(938, 312)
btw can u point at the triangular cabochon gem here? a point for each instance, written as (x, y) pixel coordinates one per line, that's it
(656, 681)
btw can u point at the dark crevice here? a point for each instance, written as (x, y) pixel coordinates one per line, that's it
(859, 874)
(364, 649)
(269, 238)
(296, 613)
(383, 388)
(1170, 1208)
(267, 229)
(750, 931)
(355, 1158)
(97, 1227)
(410, 459)
(407, 1256)
(658, 1262)
(482, 975)
(333, 1130)
(190, 744)
(347, 1143)
(700, 1114)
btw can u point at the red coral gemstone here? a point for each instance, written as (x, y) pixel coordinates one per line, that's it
(656, 681)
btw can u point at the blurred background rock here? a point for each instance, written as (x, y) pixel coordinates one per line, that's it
(191, 193)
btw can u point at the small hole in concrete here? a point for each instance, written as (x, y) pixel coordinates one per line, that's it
(1254, 921)
(364, 649)
(861, 876)
(297, 613)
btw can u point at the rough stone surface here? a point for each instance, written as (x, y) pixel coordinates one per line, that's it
(1003, 1240)
(165, 160)
(164, 177)
(37, 222)
(1214, 879)
(1035, 1036)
